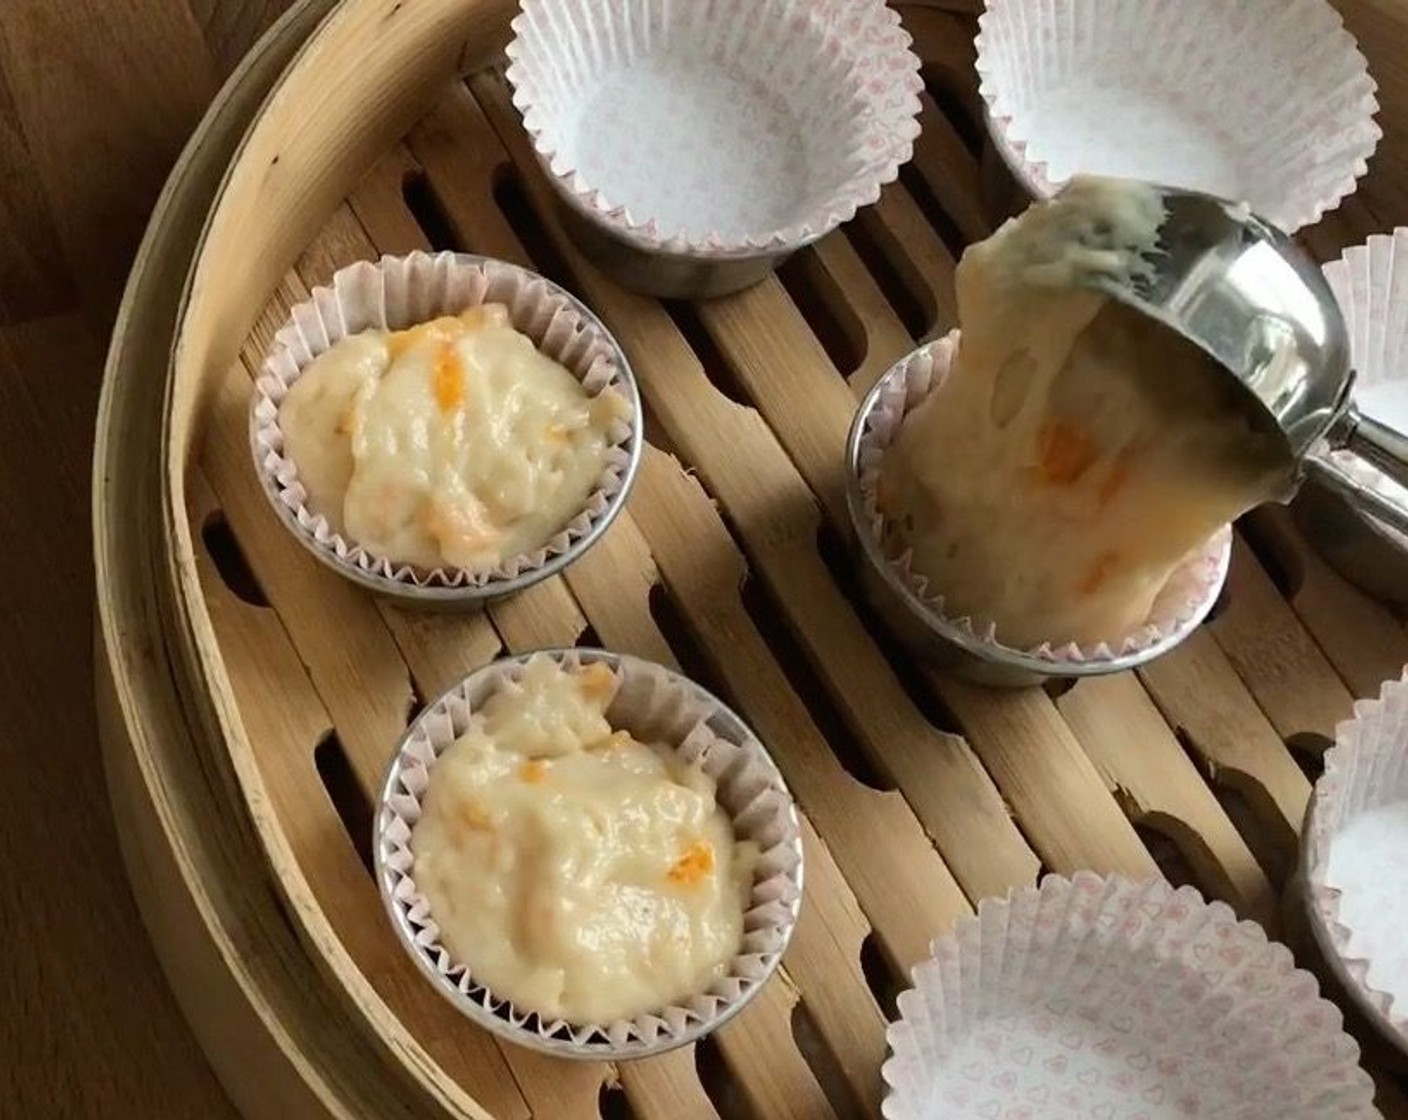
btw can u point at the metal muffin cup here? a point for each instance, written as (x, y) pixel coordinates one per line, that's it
(1364, 773)
(762, 810)
(1301, 913)
(1367, 281)
(949, 645)
(469, 595)
(661, 272)
(1362, 549)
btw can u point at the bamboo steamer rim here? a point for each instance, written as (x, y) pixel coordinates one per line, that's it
(359, 82)
(157, 595)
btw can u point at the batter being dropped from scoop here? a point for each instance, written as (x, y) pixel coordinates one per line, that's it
(1078, 451)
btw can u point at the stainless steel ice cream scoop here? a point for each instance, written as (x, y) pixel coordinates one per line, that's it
(1249, 297)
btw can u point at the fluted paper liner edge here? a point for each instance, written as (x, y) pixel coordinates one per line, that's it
(399, 292)
(1370, 283)
(658, 705)
(1056, 945)
(1365, 769)
(861, 43)
(1184, 601)
(1292, 88)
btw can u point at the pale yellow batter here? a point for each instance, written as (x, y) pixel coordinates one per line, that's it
(453, 444)
(1077, 452)
(575, 871)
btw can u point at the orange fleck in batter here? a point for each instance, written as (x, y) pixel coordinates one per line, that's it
(697, 862)
(449, 378)
(473, 817)
(533, 771)
(445, 329)
(1099, 572)
(596, 680)
(1065, 453)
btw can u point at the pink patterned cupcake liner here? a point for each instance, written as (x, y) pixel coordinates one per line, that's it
(798, 112)
(398, 292)
(1102, 998)
(1264, 101)
(1356, 837)
(1371, 284)
(656, 705)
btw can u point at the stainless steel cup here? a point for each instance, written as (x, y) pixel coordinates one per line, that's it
(935, 639)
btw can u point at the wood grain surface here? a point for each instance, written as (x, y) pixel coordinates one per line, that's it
(96, 98)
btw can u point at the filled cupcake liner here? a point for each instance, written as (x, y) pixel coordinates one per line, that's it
(655, 705)
(1370, 283)
(1355, 839)
(1104, 998)
(1264, 101)
(1183, 603)
(400, 292)
(716, 128)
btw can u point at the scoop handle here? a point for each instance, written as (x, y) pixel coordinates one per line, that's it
(1379, 445)
(1367, 501)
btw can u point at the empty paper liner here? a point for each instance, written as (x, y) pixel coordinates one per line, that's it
(1370, 283)
(1264, 101)
(719, 129)
(1355, 839)
(1102, 998)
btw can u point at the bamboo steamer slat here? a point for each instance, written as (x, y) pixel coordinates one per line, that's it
(242, 723)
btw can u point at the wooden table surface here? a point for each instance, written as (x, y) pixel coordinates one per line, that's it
(96, 98)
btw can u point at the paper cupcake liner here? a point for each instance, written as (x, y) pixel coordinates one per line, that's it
(400, 292)
(1370, 283)
(1264, 101)
(656, 705)
(1103, 998)
(1181, 606)
(1355, 839)
(797, 112)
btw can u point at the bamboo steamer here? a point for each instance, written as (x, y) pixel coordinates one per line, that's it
(245, 715)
